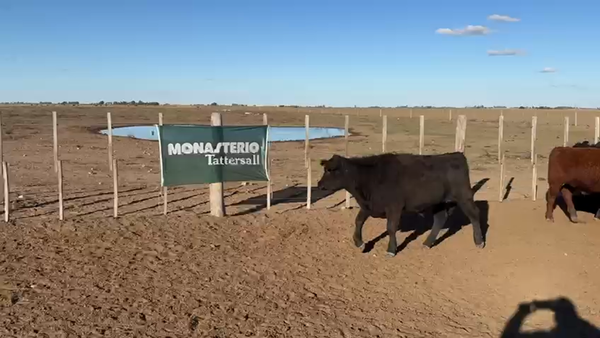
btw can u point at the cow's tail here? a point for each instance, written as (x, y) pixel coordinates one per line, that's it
(466, 172)
(555, 176)
(553, 163)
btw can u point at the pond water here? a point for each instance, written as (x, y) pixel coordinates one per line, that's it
(276, 134)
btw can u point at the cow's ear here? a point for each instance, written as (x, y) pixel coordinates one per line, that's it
(335, 162)
(323, 162)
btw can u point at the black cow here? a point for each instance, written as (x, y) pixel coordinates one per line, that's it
(387, 184)
(586, 144)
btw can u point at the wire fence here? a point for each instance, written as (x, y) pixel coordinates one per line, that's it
(83, 151)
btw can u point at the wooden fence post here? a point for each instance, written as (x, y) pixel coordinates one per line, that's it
(115, 175)
(500, 136)
(1, 147)
(308, 185)
(464, 133)
(6, 192)
(384, 134)
(217, 202)
(164, 190)
(307, 136)
(533, 137)
(60, 192)
(501, 194)
(450, 115)
(55, 139)
(347, 151)
(566, 132)
(534, 179)
(461, 127)
(457, 135)
(411, 113)
(110, 144)
(597, 129)
(421, 134)
(268, 164)
(575, 122)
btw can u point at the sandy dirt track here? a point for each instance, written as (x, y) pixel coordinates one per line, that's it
(287, 272)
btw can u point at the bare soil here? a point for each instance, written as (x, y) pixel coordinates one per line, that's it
(288, 271)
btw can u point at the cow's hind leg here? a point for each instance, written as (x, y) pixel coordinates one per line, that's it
(440, 215)
(358, 226)
(470, 209)
(551, 195)
(568, 197)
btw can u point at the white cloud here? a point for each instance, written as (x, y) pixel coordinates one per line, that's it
(506, 52)
(548, 70)
(504, 18)
(469, 30)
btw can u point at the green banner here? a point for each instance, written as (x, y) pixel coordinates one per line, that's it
(196, 154)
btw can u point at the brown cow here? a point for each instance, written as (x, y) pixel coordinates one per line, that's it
(572, 170)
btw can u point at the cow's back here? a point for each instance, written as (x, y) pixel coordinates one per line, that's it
(432, 178)
(577, 167)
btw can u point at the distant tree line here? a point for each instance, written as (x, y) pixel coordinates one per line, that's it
(546, 107)
(127, 103)
(142, 103)
(76, 103)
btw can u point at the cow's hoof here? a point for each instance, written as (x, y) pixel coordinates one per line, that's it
(362, 247)
(596, 219)
(427, 245)
(480, 245)
(550, 220)
(390, 254)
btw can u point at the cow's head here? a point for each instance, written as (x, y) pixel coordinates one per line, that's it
(333, 174)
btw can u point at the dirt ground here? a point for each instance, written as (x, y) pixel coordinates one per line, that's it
(288, 271)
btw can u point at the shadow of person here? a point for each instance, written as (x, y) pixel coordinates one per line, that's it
(567, 321)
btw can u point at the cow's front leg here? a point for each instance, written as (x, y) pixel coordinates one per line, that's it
(358, 225)
(470, 209)
(393, 222)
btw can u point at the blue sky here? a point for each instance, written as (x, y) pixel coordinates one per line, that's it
(307, 52)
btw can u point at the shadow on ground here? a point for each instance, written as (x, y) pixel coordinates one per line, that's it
(567, 322)
(415, 222)
(293, 194)
(584, 203)
(421, 223)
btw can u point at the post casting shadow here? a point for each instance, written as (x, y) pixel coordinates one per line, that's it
(293, 194)
(508, 188)
(419, 223)
(568, 324)
(479, 184)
